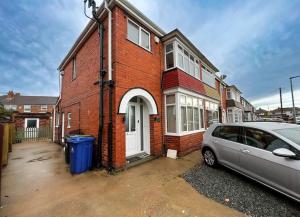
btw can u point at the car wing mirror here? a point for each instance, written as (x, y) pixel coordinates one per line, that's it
(283, 152)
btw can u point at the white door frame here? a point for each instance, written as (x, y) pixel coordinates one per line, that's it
(62, 127)
(142, 131)
(32, 119)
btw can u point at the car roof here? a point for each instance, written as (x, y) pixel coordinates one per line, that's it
(265, 125)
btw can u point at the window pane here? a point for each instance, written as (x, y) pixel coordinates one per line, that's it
(171, 99)
(183, 119)
(292, 134)
(201, 118)
(196, 119)
(230, 133)
(169, 47)
(127, 119)
(186, 63)
(180, 60)
(197, 72)
(182, 100)
(189, 100)
(31, 123)
(170, 60)
(190, 118)
(171, 119)
(200, 102)
(145, 40)
(133, 32)
(195, 102)
(259, 139)
(209, 118)
(132, 118)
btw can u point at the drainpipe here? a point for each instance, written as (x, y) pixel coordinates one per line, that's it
(110, 83)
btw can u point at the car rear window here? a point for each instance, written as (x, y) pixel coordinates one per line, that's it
(292, 134)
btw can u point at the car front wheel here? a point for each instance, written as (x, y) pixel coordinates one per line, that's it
(209, 158)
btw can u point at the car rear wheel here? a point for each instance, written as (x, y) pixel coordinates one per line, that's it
(209, 157)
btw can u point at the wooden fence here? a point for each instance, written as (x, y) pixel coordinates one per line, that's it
(33, 134)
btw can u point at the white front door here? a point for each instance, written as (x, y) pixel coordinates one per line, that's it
(133, 130)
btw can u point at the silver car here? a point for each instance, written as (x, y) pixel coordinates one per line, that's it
(266, 152)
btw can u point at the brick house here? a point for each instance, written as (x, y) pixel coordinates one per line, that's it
(29, 111)
(233, 104)
(164, 91)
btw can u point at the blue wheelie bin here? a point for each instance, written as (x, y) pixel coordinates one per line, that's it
(81, 153)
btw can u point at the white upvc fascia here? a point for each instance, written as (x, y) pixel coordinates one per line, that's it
(140, 19)
(185, 133)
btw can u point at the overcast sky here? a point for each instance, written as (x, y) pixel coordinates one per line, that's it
(255, 43)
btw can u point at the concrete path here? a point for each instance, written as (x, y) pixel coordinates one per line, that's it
(37, 183)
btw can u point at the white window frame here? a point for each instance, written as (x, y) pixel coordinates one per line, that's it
(25, 110)
(178, 92)
(69, 119)
(44, 108)
(140, 35)
(166, 115)
(32, 119)
(176, 52)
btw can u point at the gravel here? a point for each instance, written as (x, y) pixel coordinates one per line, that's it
(239, 192)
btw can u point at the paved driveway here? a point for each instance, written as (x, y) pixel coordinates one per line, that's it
(37, 183)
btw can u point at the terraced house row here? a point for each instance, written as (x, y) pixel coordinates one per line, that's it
(156, 90)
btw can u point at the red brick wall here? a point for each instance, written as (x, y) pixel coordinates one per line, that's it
(35, 109)
(135, 67)
(184, 144)
(178, 78)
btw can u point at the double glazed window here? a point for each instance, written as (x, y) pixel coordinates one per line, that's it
(44, 108)
(191, 111)
(27, 108)
(177, 56)
(69, 120)
(138, 35)
(171, 113)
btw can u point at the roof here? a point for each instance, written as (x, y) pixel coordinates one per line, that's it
(177, 33)
(137, 14)
(233, 86)
(286, 109)
(91, 27)
(29, 100)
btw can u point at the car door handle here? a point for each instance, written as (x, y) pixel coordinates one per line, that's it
(245, 151)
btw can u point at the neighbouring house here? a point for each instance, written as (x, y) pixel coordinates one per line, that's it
(248, 110)
(261, 113)
(159, 91)
(29, 111)
(287, 113)
(233, 104)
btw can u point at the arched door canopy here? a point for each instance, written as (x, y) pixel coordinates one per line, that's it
(139, 92)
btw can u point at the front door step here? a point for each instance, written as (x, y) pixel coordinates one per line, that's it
(138, 159)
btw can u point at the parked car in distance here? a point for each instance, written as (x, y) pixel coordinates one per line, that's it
(267, 152)
(298, 120)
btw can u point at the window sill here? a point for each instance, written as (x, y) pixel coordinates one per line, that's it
(68, 127)
(185, 133)
(149, 50)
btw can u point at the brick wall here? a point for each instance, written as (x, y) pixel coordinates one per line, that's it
(184, 144)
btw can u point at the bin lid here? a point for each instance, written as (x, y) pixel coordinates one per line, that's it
(80, 138)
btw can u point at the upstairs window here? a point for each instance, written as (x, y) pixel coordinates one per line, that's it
(27, 108)
(44, 108)
(228, 94)
(138, 35)
(169, 56)
(177, 56)
(74, 73)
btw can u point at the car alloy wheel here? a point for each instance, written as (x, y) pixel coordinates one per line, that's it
(209, 158)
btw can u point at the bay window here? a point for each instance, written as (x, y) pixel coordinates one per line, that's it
(190, 114)
(177, 56)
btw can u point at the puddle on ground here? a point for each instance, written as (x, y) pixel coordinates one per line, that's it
(43, 158)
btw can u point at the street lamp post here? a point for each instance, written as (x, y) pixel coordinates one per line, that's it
(294, 109)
